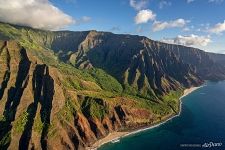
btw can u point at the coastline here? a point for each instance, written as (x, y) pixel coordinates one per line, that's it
(117, 135)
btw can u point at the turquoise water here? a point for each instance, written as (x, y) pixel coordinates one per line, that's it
(202, 120)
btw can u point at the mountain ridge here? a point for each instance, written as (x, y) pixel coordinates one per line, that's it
(66, 90)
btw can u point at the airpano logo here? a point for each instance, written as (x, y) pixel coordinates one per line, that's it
(211, 144)
(205, 145)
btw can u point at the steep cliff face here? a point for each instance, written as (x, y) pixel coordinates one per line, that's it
(143, 67)
(218, 58)
(85, 49)
(27, 89)
(205, 65)
(136, 62)
(54, 107)
(66, 90)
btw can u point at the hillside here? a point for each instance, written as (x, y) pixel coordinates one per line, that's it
(66, 90)
(219, 58)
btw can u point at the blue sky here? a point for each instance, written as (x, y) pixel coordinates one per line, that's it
(197, 23)
(118, 16)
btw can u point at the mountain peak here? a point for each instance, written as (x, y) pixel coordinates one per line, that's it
(67, 90)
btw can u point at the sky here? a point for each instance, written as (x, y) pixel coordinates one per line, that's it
(195, 23)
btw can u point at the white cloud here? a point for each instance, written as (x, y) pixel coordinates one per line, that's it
(164, 3)
(158, 26)
(138, 4)
(218, 28)
(190, 40)
(144, 16)
(34, 13)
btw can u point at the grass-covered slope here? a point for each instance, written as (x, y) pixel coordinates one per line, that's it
(141, 66)
(66, 90)
(45, 103)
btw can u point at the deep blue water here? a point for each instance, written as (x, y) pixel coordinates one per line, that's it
(202, 120)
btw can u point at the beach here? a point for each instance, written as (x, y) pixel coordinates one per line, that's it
(190, 90)
(117, 135)
(112, 136)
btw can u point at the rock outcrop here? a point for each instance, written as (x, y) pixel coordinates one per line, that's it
(66, 90)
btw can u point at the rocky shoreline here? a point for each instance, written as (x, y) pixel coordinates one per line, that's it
(117, 135)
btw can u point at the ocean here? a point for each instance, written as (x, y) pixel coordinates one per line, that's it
(201, 125)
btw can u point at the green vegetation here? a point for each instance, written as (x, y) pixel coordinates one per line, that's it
(5, 140)
(106, 81)
(162, 107)
(46, 56)
(75, 80)
(72, 83)
(157, 108)
(8, 32)
(52, 130)
(172, 99)
(38, 125)
(94, 108)
(2, 118)
(97, 87)
(21, 122)
(144, 93)
(173, 96)
(70, 70)
(130, 90)
(69, 109)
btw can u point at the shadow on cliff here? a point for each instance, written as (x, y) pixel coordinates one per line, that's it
(6, 76)
(43, 91)
(13, 99)
(37, 82)
(4, 83)
(46, 106)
